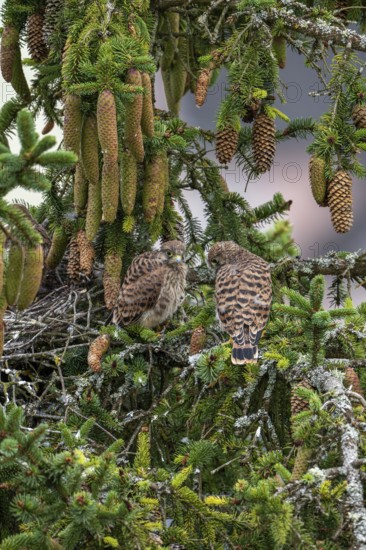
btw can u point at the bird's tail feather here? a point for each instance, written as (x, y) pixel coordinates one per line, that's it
(244, 353)
(245, 346)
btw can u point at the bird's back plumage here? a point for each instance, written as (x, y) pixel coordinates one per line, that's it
(243, 297)
(152, 289)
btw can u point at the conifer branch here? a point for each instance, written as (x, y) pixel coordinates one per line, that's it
(332, 263)
(349, 441)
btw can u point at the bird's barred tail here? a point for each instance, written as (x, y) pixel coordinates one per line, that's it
(242, 354)
(245, 346)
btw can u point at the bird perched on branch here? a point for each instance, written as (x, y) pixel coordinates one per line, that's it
(153, 288)
(243, 297)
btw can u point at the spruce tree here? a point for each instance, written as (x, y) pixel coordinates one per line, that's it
(135, 438)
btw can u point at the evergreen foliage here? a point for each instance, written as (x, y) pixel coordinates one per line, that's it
(147, 443)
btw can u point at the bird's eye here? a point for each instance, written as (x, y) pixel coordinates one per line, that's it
(214, 261)
(169, 253)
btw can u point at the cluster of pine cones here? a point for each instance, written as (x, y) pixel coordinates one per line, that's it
(97, 195)
(20, 278)
(336, 193)
(263, 144)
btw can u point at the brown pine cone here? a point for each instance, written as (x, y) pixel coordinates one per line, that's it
(87, 253)
(111, 278)
(298, 404)
(96, 351)
(198, 341)
(73, 264)
(36, 44)
(226, 144)
(52, 14)
(202, 86)
(301, 465)
(340, 201)
(352, 381)
(359, 115)
(264, 142)
(317, 180)
(48, 127)
(9, 51)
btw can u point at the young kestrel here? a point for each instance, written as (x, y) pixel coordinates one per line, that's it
(153, 287)
(243, 297)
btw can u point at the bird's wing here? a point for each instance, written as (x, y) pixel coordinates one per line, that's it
(138, 297)
(142, 264)
(243, 297)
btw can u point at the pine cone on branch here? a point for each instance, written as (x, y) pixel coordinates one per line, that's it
(299, 404)
(203, 82)
(359, 115)
(73, 265)
(264, 142)
(302, 459)
(317, 180)
(198, 341)
(352, 381)
(51, 16)
(226, 144)
(111, 278)
(9, 51)
(340, 201)
(87, 253)
(36, 45)
(96, 351)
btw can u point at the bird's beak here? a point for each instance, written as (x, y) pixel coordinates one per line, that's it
(178, 258)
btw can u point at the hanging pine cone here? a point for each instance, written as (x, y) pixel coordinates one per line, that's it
(147, 116)
(264, 142)
(154, 184)
(14, 273)
(96, 351)
(301, 465)
(32, 277)
(73, 265)
(359, 115)
(58, 248)
(198, 341)
(9, 50)
(111, 278)
(36, 44)
(48, 127)
(87, 253)
(133, 131)
(128, 182)
(72, 123)
(340, 201)
(202, 85)
(94, 210)
(279, 48)
(299, 404)
(107, 126)
(226, 144)
(51, 16)
(317, 180)
(352, 381)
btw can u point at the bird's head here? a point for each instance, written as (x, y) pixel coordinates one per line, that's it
(224, 252)
(173, 252)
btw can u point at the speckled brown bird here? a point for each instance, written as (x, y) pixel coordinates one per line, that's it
(243, 297)
(153, 288)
